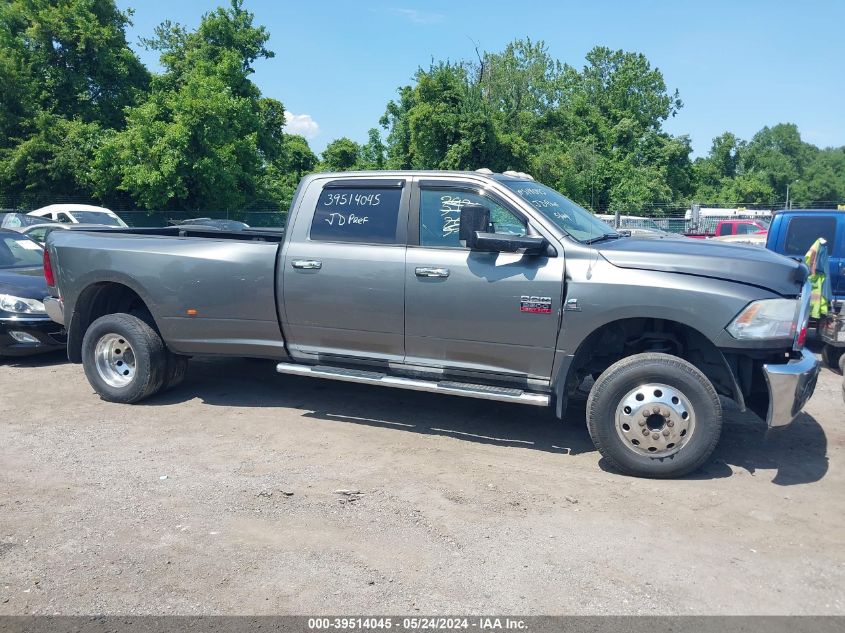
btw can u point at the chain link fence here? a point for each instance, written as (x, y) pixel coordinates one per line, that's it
(670, 217)
(266, 214)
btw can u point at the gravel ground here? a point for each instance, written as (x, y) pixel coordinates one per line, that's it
(246, 492)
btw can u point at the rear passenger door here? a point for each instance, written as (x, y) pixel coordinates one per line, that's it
(343, 284)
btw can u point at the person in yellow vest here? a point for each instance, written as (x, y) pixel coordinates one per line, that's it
(821, 293)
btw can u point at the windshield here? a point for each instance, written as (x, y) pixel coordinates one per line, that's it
(97, 217)
(19, 252)
(572, 218)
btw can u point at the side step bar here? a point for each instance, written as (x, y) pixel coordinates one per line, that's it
(451, 388)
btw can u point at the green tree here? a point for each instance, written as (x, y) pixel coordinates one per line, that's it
(67, 74)
(74, 56)
(445, 122)
(205, 137)
(55, 161)
(594, 133)
(373, 152)
(341, 154)
(758, 171)
(282, 177)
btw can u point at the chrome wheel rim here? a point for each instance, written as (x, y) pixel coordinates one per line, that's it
(655, 420)
(115, 360)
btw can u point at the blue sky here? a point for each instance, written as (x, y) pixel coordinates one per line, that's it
(738, 65)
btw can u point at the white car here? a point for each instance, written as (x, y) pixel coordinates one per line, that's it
(78, 214)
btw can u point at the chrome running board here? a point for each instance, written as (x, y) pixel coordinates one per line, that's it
(448, 387)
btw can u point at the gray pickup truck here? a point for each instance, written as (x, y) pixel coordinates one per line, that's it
(462, 283)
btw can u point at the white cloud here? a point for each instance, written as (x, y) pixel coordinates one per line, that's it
(301, 124)
(418, 17)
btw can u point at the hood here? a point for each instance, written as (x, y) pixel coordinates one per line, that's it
(23, 282)
(705, 258)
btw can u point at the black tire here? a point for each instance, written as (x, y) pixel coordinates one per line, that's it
(177, 367)
(148, 352)
(832, 356)
(623, 381)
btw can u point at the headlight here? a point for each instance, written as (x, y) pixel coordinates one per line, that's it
(766, 319)
(19, 305)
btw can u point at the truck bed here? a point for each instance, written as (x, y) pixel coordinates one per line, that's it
(210, 291)
(254, 235)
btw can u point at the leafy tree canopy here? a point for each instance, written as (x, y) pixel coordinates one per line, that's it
(80, 117)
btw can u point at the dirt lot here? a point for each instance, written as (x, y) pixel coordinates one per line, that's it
(225, 496)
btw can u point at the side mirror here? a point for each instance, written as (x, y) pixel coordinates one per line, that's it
(475, 218)
(501, 243)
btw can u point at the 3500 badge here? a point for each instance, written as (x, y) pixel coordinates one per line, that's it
(537, 305)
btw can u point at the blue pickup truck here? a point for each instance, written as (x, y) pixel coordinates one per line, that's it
(792, 233)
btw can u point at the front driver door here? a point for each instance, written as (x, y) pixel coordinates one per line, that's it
(476, 312)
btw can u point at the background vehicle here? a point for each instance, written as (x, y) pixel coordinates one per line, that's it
(222, 225)
(630, 222)
(793, 232)
(831, 332)
(734, 227)
(16, 221)
(78, 214)
(749, 239)
(39, 232)
(480, 285)
(25, 327)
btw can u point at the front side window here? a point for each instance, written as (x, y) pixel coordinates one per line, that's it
(440, 216)
(64, 218)
(367, 215)
(802, 232)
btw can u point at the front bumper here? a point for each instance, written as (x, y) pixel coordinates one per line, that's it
(48, 336)
(790, 387)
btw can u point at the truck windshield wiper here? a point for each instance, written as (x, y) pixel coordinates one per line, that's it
(602, 237)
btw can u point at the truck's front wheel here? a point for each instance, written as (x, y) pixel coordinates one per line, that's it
(124, 358)
(654, 415)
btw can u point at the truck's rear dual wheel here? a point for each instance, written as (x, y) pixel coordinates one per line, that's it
(125, 359)
(654, 415)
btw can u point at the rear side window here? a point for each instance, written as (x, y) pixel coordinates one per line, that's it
(802, 232)
(366, 215)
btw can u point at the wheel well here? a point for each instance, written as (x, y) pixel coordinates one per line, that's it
(99, 300)
(619, 339)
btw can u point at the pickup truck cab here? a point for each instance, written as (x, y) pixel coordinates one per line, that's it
(740, 227)
(794, 231)
(463, 283)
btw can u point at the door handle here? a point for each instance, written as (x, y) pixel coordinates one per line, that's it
(307, 264)
(432, 272)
